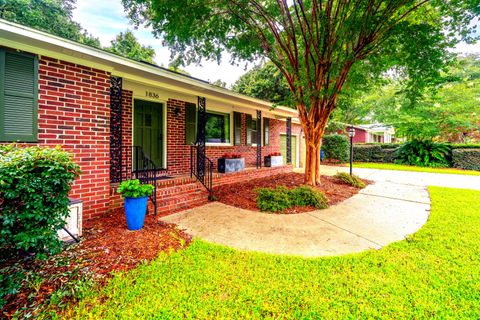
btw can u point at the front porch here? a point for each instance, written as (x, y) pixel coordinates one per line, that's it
(173, 141)
(180, 192)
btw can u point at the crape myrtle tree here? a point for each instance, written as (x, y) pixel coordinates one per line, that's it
(315, 44)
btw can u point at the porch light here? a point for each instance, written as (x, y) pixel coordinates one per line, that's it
(351, 134)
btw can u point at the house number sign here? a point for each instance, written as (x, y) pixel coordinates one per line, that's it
(151, 94)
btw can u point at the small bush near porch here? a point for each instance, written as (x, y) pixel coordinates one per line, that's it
(245, 195)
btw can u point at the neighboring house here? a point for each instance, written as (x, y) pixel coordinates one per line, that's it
(374, 133)
(118, 116)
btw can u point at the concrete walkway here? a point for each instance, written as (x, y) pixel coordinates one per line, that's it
(396, 205)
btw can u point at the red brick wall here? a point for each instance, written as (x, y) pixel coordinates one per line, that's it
(178, 154)
(74, 112)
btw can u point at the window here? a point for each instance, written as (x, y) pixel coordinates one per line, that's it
(18, 96)
(237, 124)
(217, 128)
(253, 132)
(266, 131)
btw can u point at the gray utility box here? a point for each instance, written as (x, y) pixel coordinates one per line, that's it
(73, 223)
(230, 165)
(273, 161)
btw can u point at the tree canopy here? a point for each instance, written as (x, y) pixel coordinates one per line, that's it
(127, 45)
(52, 16)
(265, 82)
(315, 44)
(448, 111)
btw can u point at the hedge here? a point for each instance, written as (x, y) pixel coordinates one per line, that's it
(466, 158)
(34, 187)
(336, 147)
(374, 153)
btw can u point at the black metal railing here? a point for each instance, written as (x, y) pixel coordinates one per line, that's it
(202, 168)
(137, 165)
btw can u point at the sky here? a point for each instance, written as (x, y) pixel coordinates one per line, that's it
(105, 19)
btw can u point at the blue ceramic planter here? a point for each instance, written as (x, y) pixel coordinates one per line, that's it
(135, 210)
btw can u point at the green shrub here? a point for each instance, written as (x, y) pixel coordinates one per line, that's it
(465, 146)
(468, 159)
(273, 200)
(374, 153)
(352, 180)
(281, 198)
(424, 153)
(34, 187)
(336, 146)
(134, 189)
(308, 196)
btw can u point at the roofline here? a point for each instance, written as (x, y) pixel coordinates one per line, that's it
(42, 36)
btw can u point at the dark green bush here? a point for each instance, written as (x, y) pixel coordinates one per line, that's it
(273, 200)
(468, 159)
(374, 152)
(424, 153)
(465, 146)
(336, 147)
(308, 196)
(281, 198)
(34, 187)
(134, 189)
(352, 180)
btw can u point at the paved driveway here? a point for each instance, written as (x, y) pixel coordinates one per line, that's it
(396, 205)
(412, 178)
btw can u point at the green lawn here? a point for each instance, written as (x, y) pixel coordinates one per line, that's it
(391, 166)
(435, 273)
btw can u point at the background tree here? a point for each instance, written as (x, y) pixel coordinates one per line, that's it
(448, 111)
(127, 45)
(52, 16)
(315, 44)
(265, 82)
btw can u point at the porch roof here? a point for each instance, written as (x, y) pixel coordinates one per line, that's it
(31, 40)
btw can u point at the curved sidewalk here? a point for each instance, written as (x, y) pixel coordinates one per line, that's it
(382, 213)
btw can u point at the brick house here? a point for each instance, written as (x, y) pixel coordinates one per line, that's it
(118, 116)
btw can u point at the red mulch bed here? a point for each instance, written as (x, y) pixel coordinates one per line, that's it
(242, 195)
(108, 246)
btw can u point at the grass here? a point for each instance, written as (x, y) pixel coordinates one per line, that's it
(433, 274)
(401, 167)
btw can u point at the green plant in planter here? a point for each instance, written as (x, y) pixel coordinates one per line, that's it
(134, 189)
(352, 180)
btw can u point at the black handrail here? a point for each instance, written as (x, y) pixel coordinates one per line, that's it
(202, 168)
(137, 165)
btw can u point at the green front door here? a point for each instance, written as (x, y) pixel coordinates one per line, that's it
(148, 129)
(283, 149)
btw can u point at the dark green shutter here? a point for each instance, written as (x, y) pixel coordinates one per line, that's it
(190, 123)
(18, 97)
(237, 124)
(248, 124)
(266, 131)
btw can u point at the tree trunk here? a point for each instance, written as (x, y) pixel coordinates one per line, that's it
(312, 160)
